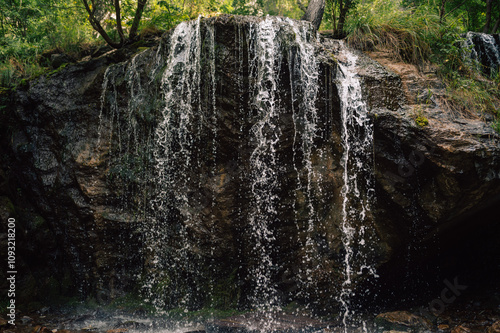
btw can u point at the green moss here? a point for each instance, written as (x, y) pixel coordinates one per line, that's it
(292, 307)
(421, 121)
(23, 84)
(225, 293)
(334, 58)
(138, 44)
(131, 302)
(57, 70)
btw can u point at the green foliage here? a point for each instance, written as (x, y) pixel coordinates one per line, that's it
(471, 94)
(469, 91)
(407, 33)
(29, 27)
(165, 15)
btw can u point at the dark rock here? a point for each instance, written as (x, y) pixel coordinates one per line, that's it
(402, 321)
(131, 325)
(101, 50)
(41, 329)
(26, 320)
(59, 59)
(117, 330)
(461, 329)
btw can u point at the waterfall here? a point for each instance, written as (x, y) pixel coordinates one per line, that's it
(304, 73)
(485, 49)
(266, 139)
(358, 189)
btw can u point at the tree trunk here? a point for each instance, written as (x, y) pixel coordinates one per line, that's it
(137, 18)
(314, 12)
(486, 28)
(344, 7)
(1, 23)
(119, 21)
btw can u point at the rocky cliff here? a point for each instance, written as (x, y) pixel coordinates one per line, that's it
(210, 169)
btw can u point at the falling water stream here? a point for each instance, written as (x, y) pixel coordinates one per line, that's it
(263, 160)
(357, 162)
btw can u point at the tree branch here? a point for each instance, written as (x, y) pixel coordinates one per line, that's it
(98, 27)
(488, 17)
(137, 18)
(119, 21)
(442, 10)
(314, 12)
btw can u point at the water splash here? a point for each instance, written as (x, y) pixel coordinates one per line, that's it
(358, 189)
(266, 58)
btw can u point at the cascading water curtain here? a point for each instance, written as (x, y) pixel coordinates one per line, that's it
(179, 92)
(304, 73)
(358, 190)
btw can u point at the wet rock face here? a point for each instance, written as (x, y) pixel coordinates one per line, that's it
(51, 142)
(140, 192)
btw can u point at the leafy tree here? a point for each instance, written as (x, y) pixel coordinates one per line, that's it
(476, 15)
(342, 7)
